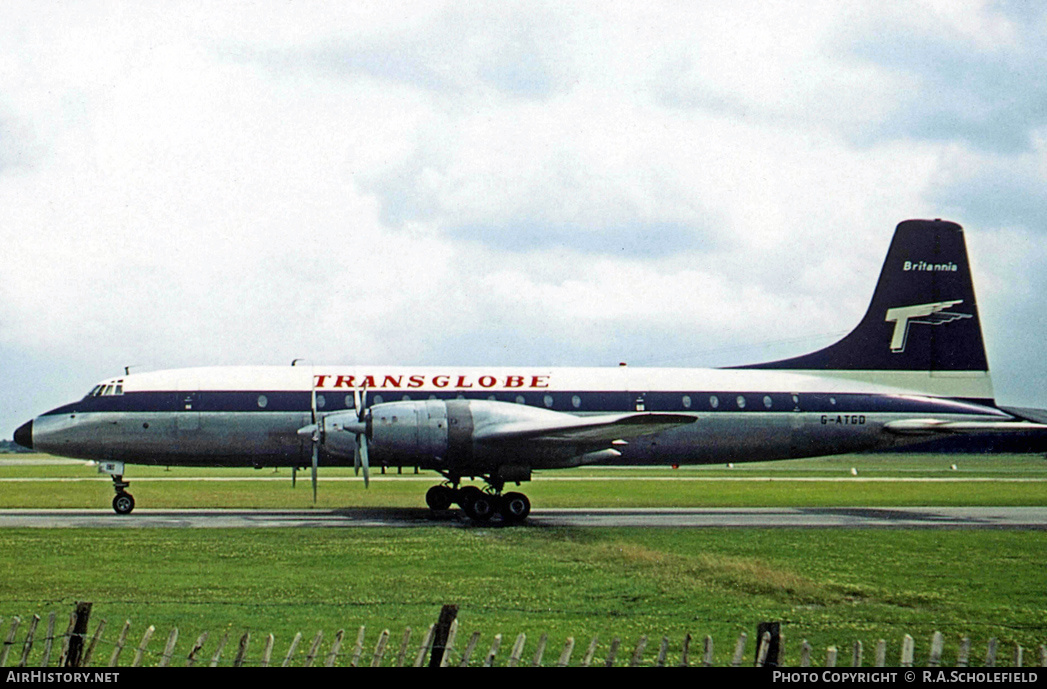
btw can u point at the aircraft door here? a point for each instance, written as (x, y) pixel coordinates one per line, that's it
(187, 413)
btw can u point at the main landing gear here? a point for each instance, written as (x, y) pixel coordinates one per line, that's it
(480, 505)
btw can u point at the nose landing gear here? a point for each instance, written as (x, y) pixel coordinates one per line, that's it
(124, 502)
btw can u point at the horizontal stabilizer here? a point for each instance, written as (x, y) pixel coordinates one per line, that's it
(583, 429)
(940, 426)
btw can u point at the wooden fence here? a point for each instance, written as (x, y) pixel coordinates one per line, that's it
(442, 646)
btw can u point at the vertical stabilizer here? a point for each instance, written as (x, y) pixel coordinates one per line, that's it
(923, 316)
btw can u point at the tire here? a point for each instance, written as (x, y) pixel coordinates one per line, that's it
(467, 495)
(123, 503)
(481, 508)
(439, 497)
(515, 507)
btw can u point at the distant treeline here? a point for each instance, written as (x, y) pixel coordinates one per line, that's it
(9, 446)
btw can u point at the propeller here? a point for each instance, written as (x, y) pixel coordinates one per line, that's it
(360, 458)
(316, 440)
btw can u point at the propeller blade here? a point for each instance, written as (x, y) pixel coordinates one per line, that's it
(316, 461)
(361, 446)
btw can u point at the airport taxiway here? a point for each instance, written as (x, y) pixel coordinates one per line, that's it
(719, 517)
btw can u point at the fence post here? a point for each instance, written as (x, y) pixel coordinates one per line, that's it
(1018, 655)
(565, 655)
(358, 649)
(540, 651)
(241, 650)
(94, 643)
(76, 639)
(427, 643)
(267, 652)
(761, 649)
(612, 652)
(663, 652)
(881, 653)
(379, 649)
(290, 651)
(805, 654)
(739, 650)
(469, 647)
(218, 651)
(140, 653)
(587, 659)
(401, 657)
(935, 658)
(686, 650)
(190, 659)
(10, 640)
(332, 655)
(115, 657)
(830, 656)
(707, 656)
(489, 660)
(452, 635)
(49, 640)
(641, 646)
(514, 655)
(907, 651)
(28, 646)
(172, 639)
(856, 654)
(964, 654)
(448, 614)
(768, 633)
(311, 655)
(66, 638)
(990, 653)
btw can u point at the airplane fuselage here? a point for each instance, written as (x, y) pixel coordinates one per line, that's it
(250, 416)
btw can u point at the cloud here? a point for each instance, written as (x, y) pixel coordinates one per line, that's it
(972, 78)
(995, 191)
(459, 51)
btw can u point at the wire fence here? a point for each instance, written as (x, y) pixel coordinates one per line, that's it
(442, 645)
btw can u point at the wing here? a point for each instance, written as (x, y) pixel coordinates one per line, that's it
(940, 426)
(585, 430)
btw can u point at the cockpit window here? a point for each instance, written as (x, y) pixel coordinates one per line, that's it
(113, 387)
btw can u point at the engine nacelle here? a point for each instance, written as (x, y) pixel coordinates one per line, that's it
(441, 435)
(423, 433)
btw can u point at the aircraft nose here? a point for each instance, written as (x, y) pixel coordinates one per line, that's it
(24, 435)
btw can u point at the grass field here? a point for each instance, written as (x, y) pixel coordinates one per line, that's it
(830, 586)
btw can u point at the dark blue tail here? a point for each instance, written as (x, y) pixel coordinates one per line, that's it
(923, 315)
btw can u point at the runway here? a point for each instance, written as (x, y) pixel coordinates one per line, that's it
(693, 518)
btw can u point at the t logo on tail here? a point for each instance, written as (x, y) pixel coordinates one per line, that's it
(929, 314)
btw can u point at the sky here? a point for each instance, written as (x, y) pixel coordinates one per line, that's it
(501, 183)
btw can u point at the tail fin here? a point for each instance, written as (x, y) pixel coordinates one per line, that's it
(923, 316)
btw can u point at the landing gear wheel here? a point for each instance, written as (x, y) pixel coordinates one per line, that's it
(439, 497)
(466, 495)
(481, 508)
(515, 507)
(123, 503)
